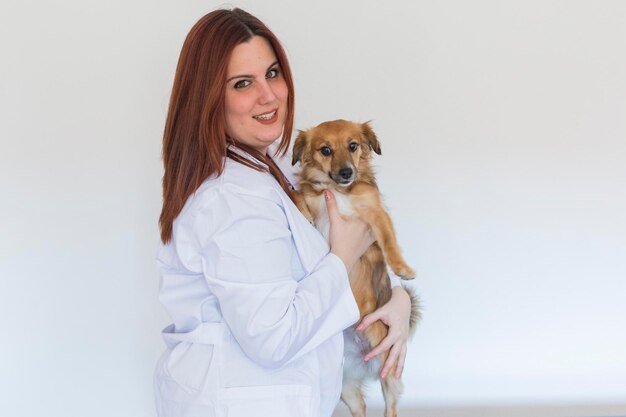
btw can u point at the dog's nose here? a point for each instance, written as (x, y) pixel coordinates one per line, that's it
(345, 173)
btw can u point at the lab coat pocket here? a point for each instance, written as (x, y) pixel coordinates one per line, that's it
(269, 400)
(189, 365)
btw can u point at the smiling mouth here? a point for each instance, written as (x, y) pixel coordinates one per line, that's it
(266, 116)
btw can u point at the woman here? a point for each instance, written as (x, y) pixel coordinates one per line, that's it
(257, 300)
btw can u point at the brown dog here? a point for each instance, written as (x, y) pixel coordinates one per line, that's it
(336, 156)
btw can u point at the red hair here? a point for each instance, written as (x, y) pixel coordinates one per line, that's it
(195, 141)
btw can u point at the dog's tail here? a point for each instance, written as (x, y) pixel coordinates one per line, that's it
(416, 309)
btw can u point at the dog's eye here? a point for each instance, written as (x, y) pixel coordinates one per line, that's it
(326, 151)
(353, 146)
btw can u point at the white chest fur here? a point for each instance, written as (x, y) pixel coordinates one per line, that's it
(344, 204)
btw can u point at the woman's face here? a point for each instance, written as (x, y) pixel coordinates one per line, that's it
(256, 95)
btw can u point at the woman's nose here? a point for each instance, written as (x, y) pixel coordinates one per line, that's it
(266, 93)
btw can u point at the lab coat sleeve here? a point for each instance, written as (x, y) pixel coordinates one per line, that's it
(247, 264)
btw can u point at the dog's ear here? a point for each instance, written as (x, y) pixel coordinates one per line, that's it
(298, 147)
(370, 136)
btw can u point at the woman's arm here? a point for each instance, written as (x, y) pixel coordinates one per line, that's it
(248, 260)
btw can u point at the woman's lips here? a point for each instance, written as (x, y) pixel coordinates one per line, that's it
(267, 118)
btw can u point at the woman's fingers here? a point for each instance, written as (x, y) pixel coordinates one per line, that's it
(328, 196)
(331, 206)
(369, 319)
(395, 314)
(384, 345)
(391, 360)
(401, 358)
(348, 238)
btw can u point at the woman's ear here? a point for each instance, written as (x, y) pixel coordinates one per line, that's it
(298, 147)
(370, 136)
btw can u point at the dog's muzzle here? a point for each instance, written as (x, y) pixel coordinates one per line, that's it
(345, 176)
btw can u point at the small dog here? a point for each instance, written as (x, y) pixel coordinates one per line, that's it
(336, 156)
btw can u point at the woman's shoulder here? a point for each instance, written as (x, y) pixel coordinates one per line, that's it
(221, 201)
(238, 179)
(236, 185)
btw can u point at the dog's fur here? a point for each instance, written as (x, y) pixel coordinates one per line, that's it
(336, 156)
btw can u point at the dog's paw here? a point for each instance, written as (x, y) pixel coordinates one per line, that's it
(404, 272)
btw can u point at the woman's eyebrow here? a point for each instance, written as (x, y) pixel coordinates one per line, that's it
(250, 76)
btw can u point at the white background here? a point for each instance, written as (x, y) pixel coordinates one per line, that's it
(503, 132)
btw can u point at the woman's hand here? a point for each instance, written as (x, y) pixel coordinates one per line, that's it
(396, 315)
(349, 239)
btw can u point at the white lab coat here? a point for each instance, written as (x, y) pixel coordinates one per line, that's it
(258, 306)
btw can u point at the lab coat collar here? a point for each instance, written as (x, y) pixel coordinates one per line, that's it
(283, 162)
(245, 154)
(310, 244)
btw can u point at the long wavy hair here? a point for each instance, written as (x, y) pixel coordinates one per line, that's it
(195, 143)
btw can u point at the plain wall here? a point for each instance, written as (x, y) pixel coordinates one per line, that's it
(503, 132)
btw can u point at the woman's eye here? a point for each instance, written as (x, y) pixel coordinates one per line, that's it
(326, 151)
(273, 73)
(353, 146)
(242, 84)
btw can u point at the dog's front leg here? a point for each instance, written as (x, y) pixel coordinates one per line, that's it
(300, 202)
(369, 206)
(381, 225)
